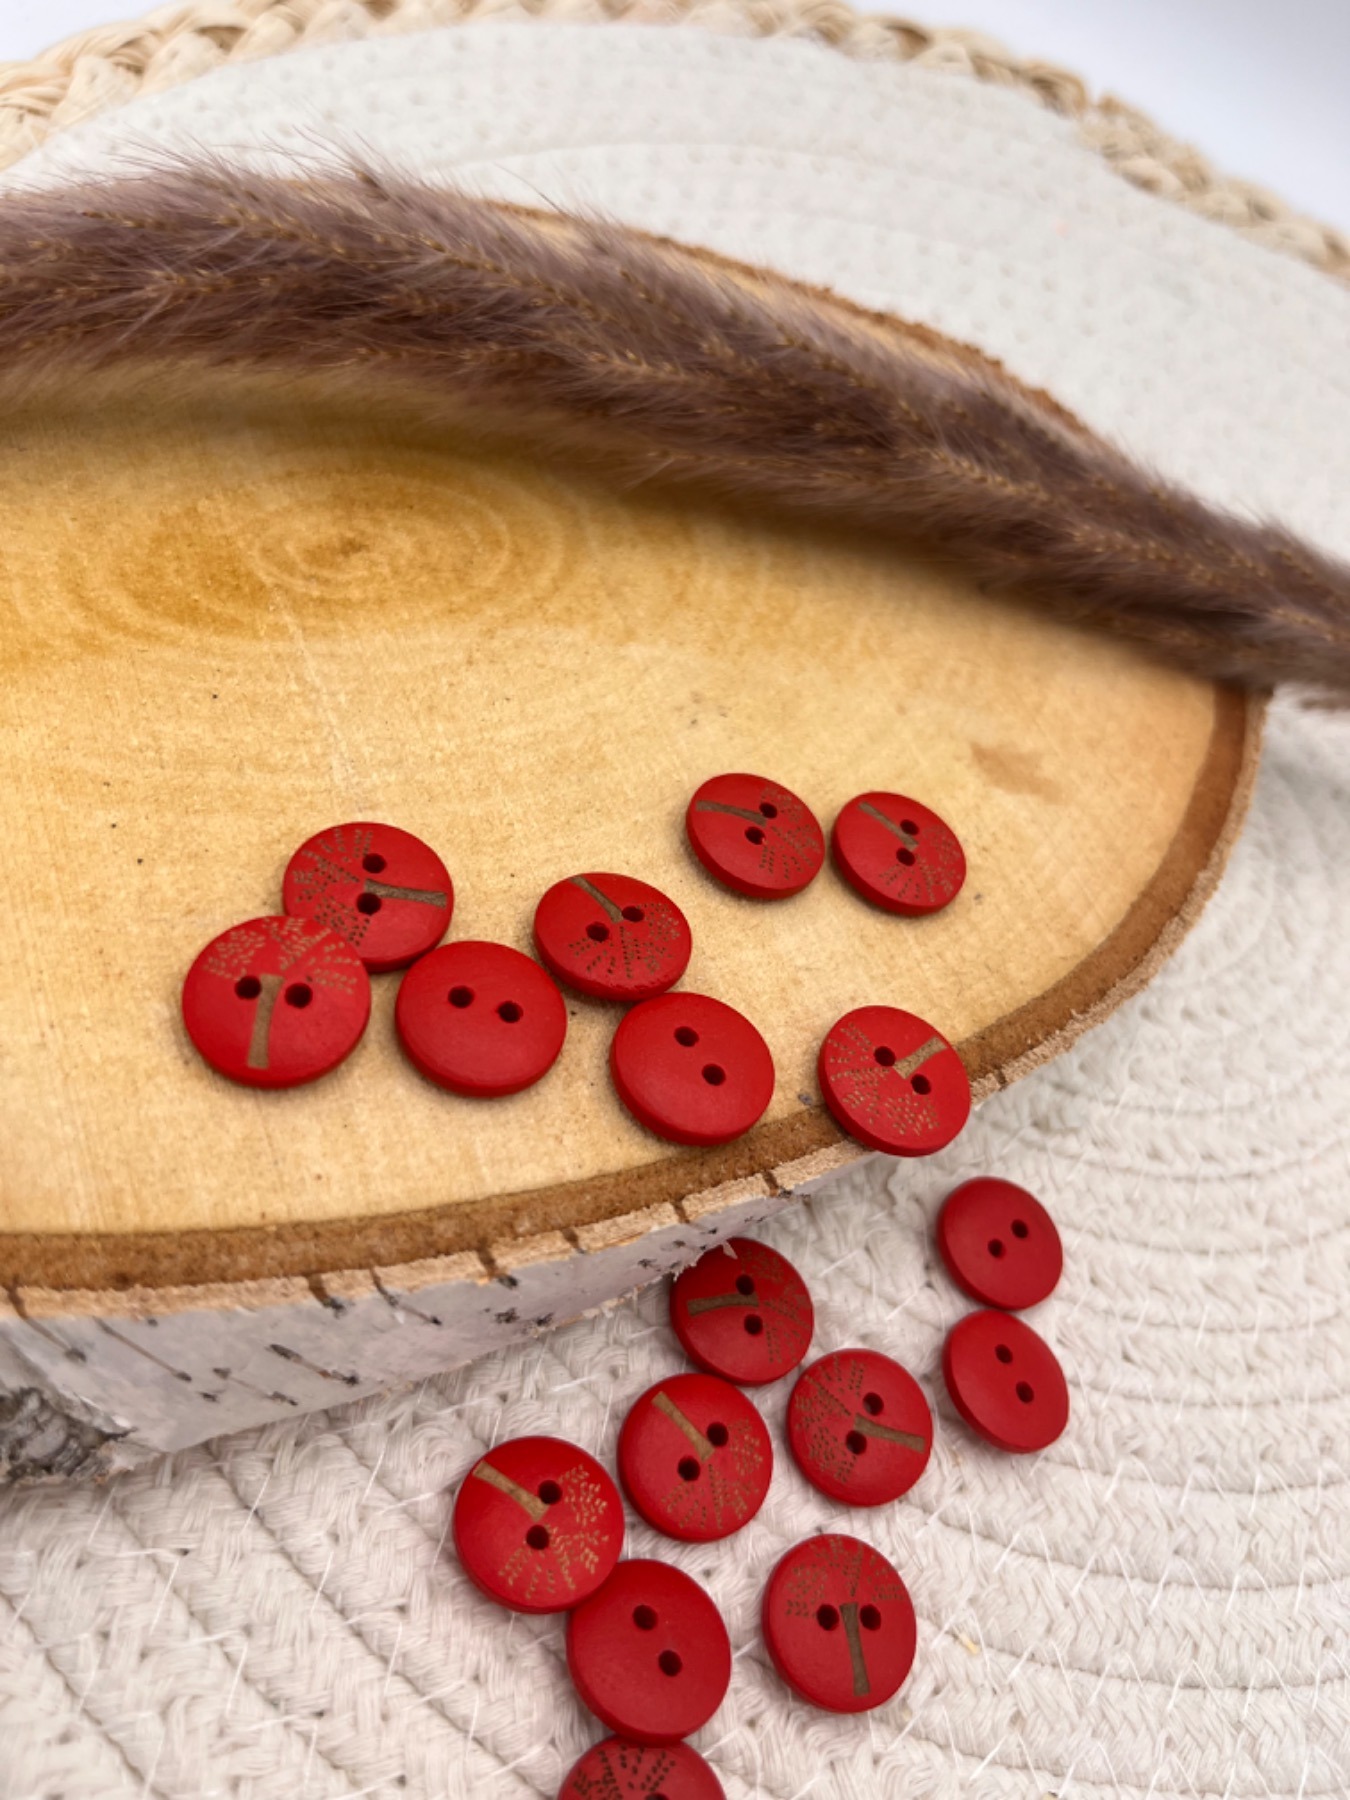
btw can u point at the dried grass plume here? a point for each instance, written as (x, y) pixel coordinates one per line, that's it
(668, 365)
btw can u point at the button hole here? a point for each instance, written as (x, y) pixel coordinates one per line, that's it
(537, 1537)
(769, 810)
(461, 996)
(598, 932)
(755, 834)
(1025, 1393)
(669, 1662)
(996, 1246)
(754, 1325)
(686, 1035)
(248, 987)
(1019, 1228)
(921, 1084)
(745, 1284)
(909, 826)
(717, 1434)
(714, 1074)
(856, 1442)
(644, 1618)
(550, 1493)
(509, 1012)
(827, 1617)
(885, 1056)
(1003, 1353)
(368, 903)
(634, 914)
(869, 1618)
(873, 1404)
(299, 993)
(373, 864)
(687, 1468)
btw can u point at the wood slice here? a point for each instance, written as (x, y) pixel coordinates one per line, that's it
(226, 623)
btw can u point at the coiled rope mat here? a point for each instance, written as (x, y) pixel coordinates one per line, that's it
(1159, 1605)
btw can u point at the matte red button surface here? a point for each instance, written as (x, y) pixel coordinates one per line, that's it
(839, 1624)
(480, 1018)
(612, 936)
(755, 836)
(649, 1653)
(695, 1457)
(276, 1002)
(615, 1770)
(1005, 1381)
(898, 854)
(893, 1082)
(691, 1069)
(859, 1427)
(382, 889)
(538, 1524)
(999, 1243)
(742, 1311)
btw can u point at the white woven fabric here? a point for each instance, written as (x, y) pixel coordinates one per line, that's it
(1158, 1605)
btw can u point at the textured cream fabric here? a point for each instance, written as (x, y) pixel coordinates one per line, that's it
(1158, 1605)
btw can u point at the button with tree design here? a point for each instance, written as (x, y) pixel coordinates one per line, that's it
(615, 1770)
(695, 1457)
(754, 836)
(276, 1002)
(742, 1311)
(382, 889)
(839, 1624)
(893, 1082)
(859, 1427)
(612, 936)
(538, 1524)
(898, 854)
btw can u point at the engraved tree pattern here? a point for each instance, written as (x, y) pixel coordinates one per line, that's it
(756, 1290)
(560, 1542)
(882, 1088)
(622, 1771)
(324, 874)
(621, 943)
(841, 1414)
(929, 859)
(283, 943)
(844, 1577)
(728, 1463)
(780, 827)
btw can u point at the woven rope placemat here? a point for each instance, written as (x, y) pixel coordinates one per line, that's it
(111, 64)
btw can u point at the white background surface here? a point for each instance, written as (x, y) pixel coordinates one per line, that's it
(1259, 86)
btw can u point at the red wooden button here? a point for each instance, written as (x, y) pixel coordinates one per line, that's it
(480, 1018)
(859, 1427)
(755, 836)
(898, 854)
(276, 1002)
(839, 1624)
(649, 1653)
(1005, 1381)
(538, 1524)
(612, 936)
(893, 1082)
(615, 1770)
(695, 1457)
(742, 1311)
(999, 1243)
(382, 889)
(691, 1069)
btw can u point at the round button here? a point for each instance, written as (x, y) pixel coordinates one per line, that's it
(859, 1427)
(742, 1311)
(649, 1653)
(382, 889)
(612, 936)
(691, 1069)
(480, 1018)
(695, 1457)
(538, 1525)
(893, 1082)
(898, 854)
(276, 1002)
(1005, 1381)
(615, 1770)
(755, 836)
(999, 1243)
(839, 1624)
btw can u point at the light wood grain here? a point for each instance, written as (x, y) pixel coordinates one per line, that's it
(227, 625)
